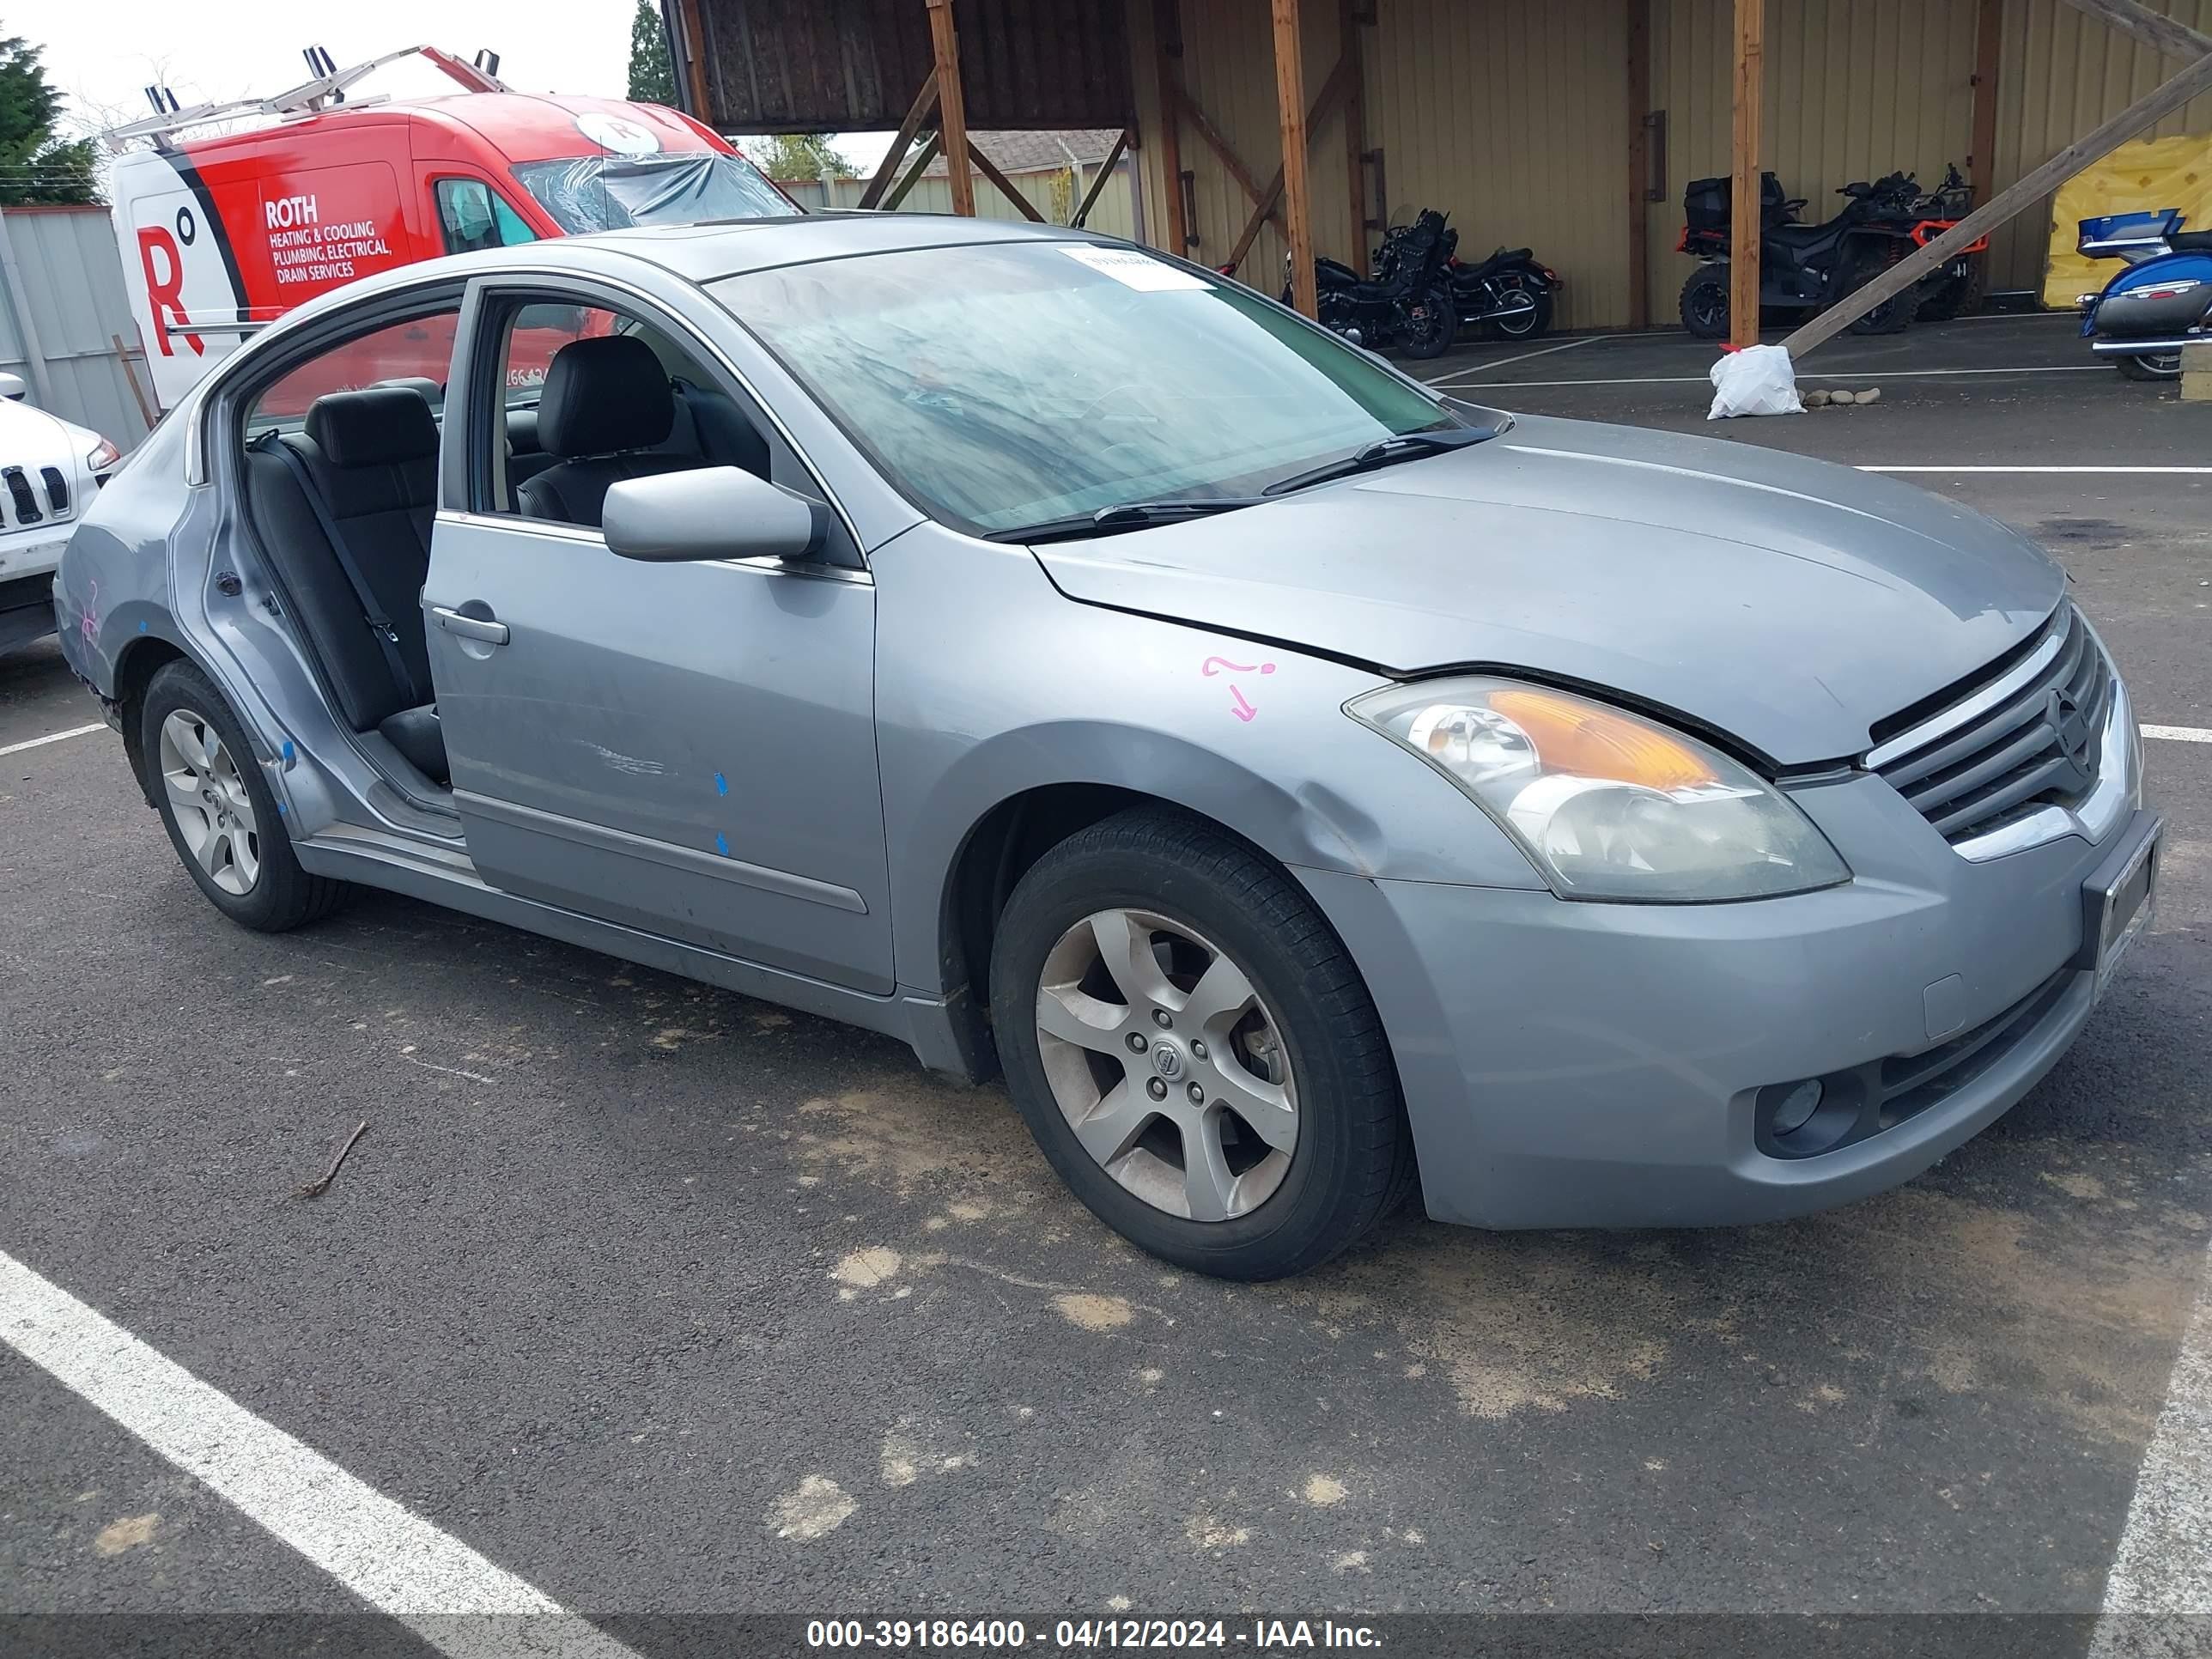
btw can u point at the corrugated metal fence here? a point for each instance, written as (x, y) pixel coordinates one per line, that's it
(63, 286)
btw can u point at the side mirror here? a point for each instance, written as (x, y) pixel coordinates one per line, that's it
(710, 513)
(11, 386)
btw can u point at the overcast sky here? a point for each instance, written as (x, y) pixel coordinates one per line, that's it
(100, 52)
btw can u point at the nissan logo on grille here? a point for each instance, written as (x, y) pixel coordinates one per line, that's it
(2070, 723)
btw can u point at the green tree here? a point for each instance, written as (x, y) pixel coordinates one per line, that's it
(800, 155)
(36, 164)
(652, 69)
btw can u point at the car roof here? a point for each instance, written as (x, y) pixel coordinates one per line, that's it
(706, 252)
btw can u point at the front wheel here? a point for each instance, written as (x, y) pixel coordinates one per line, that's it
(2151, 366)
(218, 810)
(1195, 1049)
(1706, 302)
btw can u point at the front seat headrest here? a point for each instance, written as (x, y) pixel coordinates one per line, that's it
(374, 426)
(604, 395)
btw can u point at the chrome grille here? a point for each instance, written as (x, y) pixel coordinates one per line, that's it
(2029, 733)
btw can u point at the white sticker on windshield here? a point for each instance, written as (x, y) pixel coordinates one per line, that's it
(1134, 270)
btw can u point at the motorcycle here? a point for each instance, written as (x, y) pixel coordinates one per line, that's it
(1408, 304)
(1507, 295)
(1801, 266)
(2159, 303)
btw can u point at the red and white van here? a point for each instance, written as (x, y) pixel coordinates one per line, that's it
(221, 236)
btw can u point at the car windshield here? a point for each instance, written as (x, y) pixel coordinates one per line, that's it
(584, 194)
(1014, 384)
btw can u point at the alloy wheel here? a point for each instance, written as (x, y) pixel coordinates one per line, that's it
(1167, 1065)
(209, 799)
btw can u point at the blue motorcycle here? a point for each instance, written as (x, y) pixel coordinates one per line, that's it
(2161, 303)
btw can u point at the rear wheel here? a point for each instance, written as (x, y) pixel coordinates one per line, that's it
(1430, 323)
(1524, 325)
(1892, 315)
(218, 810)
(2152, 366)
(1194, 1050)
(1706, 302)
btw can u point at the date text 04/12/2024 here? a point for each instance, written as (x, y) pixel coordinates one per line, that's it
(1259, 1637)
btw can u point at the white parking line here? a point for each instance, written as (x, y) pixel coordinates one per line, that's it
(2161, 1572)
(52, 737)
(2179, 733)
(387, 1554)
(1542, 351)
(1812, 374)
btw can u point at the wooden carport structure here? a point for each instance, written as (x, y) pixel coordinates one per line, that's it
(1572, 127)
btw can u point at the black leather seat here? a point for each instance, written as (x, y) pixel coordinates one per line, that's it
(606, 408)
(2190, 241)
(371, 456)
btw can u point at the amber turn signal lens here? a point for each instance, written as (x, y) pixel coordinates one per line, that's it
(1584, 741)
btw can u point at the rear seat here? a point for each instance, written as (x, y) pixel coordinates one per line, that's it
(373, 455)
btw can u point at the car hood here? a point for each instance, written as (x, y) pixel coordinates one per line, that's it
(29, 436)
(1786, 602)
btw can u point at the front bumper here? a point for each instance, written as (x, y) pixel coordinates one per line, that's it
(1576, 1065)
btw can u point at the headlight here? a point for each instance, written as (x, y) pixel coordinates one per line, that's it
(1608, 804)
(102, 456)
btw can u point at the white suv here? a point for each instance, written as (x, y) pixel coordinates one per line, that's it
(50, 470)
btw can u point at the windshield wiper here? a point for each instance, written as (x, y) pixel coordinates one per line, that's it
(1386, 452)
(1127, 515)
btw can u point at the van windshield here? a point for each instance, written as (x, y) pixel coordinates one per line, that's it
(584, 194)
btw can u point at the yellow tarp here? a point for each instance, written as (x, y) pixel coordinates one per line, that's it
(2142, 176)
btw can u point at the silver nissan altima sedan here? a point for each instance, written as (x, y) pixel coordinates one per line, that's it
(1295, 783)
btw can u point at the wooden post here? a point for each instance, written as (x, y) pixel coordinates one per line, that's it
(1747, 210)
(922, 158)
(1989, 44)
(1105, 172)
(925, 104)
(1351, 53)
(1167, 68)
(2145, 112)
(989, 169)
(1265, 202)
(1639, 163)
(1298, 203)
(694, 60)
(952, 107)
(2140, 22)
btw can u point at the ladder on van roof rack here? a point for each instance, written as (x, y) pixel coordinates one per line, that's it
(327, 87)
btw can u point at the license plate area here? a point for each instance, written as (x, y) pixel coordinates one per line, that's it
(2117, 902)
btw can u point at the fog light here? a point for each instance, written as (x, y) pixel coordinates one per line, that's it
(1796, 1107)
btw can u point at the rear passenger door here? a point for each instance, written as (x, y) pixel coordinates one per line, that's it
(689, 748)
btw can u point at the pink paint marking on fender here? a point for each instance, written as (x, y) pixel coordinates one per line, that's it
(88, 624)
(1209, 669)
(1243, 710)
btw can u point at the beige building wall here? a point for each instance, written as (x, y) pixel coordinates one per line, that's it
(1515, 119)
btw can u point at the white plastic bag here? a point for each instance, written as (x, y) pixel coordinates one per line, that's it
(1756, 380)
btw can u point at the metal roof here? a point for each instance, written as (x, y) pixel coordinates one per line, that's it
(854, 65)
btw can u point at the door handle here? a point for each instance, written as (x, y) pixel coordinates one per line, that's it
(470, 628)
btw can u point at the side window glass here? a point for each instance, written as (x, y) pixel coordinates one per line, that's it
(594, 396)
(471, 216)
(416, 352)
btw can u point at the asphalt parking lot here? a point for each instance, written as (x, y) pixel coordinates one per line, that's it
(668, 1303)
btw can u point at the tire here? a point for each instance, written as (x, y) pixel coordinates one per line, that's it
(218, 810)
(1431, 334)
(1528, 324)
(1893, 315)
(2163, 366)
(1336, 1157)
(1958, 297)
(1706, 302)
